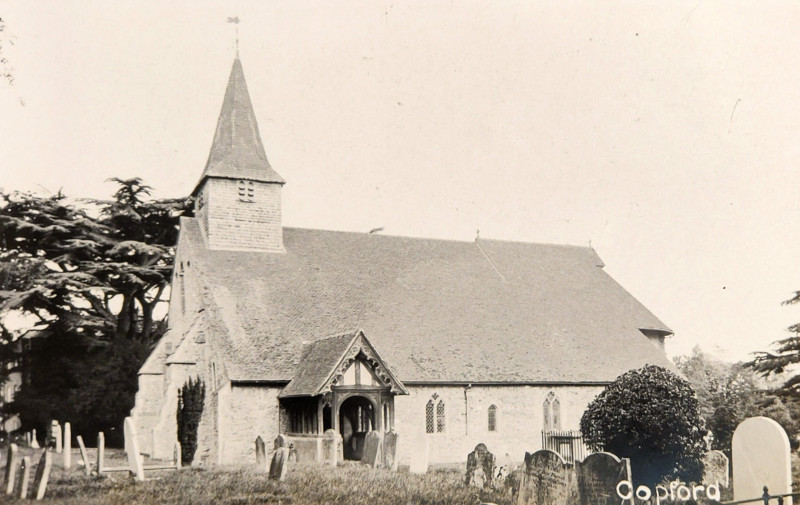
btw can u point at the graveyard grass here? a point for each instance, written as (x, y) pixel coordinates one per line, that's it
(349, 484)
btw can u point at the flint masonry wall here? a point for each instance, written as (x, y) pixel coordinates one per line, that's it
(249, 222)
(520, 419)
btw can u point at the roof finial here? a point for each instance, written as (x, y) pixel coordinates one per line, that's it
(477, 235)
(235, 20)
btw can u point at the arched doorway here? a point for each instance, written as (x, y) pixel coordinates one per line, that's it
(356, 418)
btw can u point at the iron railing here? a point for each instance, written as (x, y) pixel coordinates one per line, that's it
(569, 444)
(766, 497)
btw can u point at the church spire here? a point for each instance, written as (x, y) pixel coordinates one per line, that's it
(237, 151)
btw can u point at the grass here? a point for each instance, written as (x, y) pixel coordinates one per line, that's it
(349, 484)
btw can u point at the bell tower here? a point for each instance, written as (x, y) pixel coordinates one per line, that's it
(238, 197)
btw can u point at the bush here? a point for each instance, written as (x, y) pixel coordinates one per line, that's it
(649, 415)
(190, 409)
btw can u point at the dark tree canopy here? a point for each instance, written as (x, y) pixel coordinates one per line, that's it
(651, 416)
(781, 360)
(88, 275)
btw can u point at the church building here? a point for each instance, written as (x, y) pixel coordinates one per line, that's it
(445, 343)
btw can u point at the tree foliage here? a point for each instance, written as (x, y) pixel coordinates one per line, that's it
(191, 398)
(785, 358)
(651, 416)
(87, 277)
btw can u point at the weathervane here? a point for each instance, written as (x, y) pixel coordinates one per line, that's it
(235, 20)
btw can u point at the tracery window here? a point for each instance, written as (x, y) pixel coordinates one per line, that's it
(552, 412)
(440, 417)
(429, 417)
(492, 421)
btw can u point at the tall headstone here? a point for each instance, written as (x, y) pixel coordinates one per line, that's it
(11, 469)
(55, 433)
(132, 445)
(330, 442)
(598, 476)
(26, 477)
(261, 453)
(101, 452)
(419, 455)
(390, 451)
(480, 467)
(177, 456)
(42, 474)
(280, 464)
(87, 467)
(372, 449)
(67, 445)
(717, 468)
(544, 479)
(761, 457)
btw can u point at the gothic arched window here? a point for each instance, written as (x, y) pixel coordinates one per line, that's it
(429, 417)
(492, 414)
(440, 416)
(552, 412)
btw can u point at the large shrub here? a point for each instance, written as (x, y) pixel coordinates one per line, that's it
(190, 409)
(649, 415)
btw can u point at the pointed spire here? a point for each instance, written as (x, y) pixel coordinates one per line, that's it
(237, 151)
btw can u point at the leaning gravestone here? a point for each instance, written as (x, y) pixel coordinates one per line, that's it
(544, 479)
(330, 442)
(480, 467)
(261, 453)
(132, 446)
(87, 467)
(42, 474)
(11, 469)
(760, 450)
(372, 449)
(598, 476)
(390, 451)
(280, 464)
(717, 469)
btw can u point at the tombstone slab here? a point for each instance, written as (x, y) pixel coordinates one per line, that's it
(261, 453)
(132, 446)
(372, 449)
(598, 476)
(280, 464)
(26, 477)
(480, 467)
(390, 451)
(544, 479)
(280, 441)
(101, 452)
(11, 469)
(67, 445)
(761, 457)
(717, 468)
(330, 447)
(42, 474)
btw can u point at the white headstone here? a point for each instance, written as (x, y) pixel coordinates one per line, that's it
(132, 446)
(760, 450)
(67, 445)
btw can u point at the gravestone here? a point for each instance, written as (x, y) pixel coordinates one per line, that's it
(330, 443)
(480, 467)
(598, 476)
(419, 455)
(544, 479)
(11, 469)
(42, 474)
(292, 461)
(261, 454)
(67, 445)
(101, 452)
(390, 451)
(717, 469)
(26, 477)
(55, 436)
(87, 467)
(280, 464)
(177, 456)
(132, 446)
(34, 441)
(760, 450)
(280, 441)
(372, 449)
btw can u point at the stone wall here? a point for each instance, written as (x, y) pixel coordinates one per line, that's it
(246, 412)
(520, 420)
(245, 224)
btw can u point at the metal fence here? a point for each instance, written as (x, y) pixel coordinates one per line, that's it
(569, 444)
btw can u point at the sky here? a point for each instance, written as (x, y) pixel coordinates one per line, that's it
(666, 135)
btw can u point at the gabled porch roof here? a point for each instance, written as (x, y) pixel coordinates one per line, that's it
(323, 363)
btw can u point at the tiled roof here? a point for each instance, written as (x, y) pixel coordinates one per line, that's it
(237, 151)
(436, 310)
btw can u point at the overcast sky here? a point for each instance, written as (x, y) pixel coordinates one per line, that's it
(666, 133)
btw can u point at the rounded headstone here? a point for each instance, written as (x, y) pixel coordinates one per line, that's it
(760, 457)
